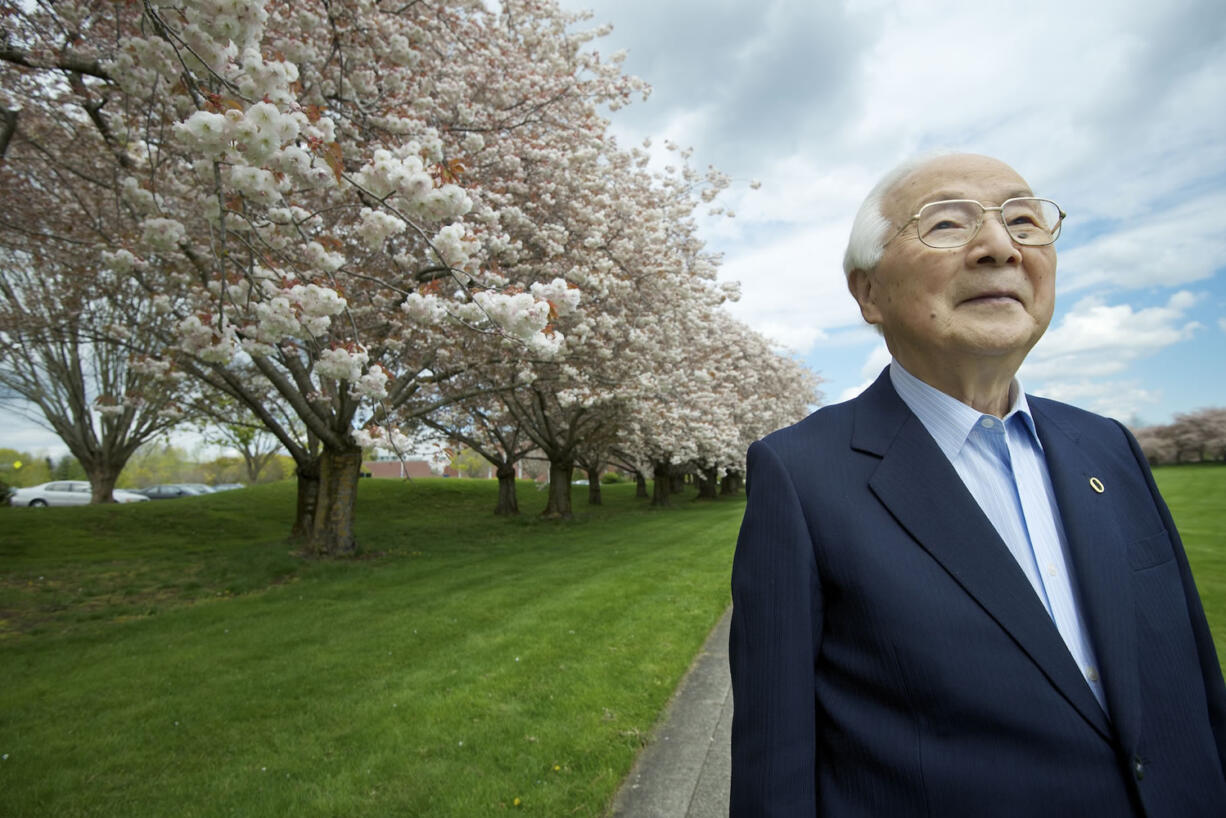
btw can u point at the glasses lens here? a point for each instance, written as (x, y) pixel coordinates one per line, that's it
(948, 224)
(1032, 221)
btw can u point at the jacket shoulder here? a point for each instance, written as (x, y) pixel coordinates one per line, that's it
(822, 430)
(1076, 421)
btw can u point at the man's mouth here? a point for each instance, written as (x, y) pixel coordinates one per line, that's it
(991, 297)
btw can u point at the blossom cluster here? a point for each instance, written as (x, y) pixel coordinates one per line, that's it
(342, 363)
(400, 177)
(382, 437)
(519, 314)
(560, 294)
(199, 337)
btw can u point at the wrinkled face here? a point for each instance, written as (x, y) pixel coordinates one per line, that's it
(989, 300)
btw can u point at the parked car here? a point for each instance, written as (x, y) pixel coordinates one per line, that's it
(170, 491)
(67, 493)
(229, 486)
(201, 488)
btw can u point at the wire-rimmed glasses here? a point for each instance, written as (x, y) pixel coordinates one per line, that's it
(950, 223)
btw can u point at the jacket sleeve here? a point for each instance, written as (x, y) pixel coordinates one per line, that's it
(1211, 671)
(773, 645)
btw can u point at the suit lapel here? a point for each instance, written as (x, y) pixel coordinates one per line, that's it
(1098, 551)
(923, 492)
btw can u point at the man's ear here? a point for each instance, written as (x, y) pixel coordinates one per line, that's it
(861, 286)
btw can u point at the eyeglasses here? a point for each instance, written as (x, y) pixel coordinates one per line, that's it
(954, 222)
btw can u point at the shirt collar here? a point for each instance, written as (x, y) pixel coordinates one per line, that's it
(948, 419)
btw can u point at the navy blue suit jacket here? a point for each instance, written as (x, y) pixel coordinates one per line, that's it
(890, 658)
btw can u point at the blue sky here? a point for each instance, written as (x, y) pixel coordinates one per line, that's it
(1117, 110)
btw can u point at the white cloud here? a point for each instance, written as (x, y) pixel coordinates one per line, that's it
(1167, 248)
(1125, 400)
(1095, 339)
(793, 287)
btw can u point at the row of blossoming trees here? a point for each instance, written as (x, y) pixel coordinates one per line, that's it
(351, 220)
(1192, 437)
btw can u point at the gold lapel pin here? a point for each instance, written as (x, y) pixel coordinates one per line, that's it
(1097, 485)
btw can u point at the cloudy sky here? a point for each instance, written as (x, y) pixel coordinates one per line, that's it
(1116, 109)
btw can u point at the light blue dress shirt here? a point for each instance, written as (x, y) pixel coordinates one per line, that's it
(1002, 465)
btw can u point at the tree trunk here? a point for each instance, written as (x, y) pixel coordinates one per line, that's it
(559, 490)
(708, 483)
(332, 527)
(102, 477)
(308, 498)
(640, 485)
(677, 482)
(255, 464)
(508, 503)
(593, 487)
(661, 485)
(731, 483)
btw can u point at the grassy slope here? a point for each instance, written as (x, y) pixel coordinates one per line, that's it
(470, 662)
(1197, 497)
(174, 659)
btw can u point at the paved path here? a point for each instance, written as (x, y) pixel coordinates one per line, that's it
(683, 772)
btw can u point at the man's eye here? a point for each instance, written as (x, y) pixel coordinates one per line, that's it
(1025, 219)
(945, 224)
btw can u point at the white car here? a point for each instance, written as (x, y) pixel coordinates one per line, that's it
(67, 493)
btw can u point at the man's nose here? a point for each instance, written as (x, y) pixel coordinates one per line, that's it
(993, 245)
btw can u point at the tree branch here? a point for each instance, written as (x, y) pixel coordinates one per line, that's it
(65, 61)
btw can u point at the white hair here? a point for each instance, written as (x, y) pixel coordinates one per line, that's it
(869, 231)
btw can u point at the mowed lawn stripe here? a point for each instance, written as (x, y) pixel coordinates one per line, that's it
(1196, 494)
(472, 662)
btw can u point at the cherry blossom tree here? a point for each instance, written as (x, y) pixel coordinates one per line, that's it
(229, 424)
(67, 356)
(487, 429)
(1196, 436)
(85, 389)
(291, 181)
(363, 214)
(722, 387)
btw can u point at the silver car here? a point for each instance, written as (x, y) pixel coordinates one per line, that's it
(67, 493)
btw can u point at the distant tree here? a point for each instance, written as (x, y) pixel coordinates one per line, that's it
(1156, 444)
(68, 468)
(483, 427)
(61, 370)
(1203, 432)
(159, 462)
(469, 463)
(234, 426)
(1197, 436)
(21, 469)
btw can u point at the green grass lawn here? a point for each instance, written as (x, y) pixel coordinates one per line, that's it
(173, 658)
(1197, 497)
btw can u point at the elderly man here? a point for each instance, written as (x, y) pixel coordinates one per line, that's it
(951, 598)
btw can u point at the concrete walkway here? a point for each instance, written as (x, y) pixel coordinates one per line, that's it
(683, 771)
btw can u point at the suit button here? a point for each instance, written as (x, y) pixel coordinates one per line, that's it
(1138, 768)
